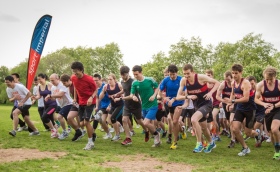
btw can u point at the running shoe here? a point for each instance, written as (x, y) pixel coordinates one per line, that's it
(164, 134)
(78, 135)
(157, 138)
(210, 147)
(276, 156)
(111, 130)
(231, 144)
(34, 133)
(63, 135)
(69, 129)
(83, 132)
(13, 133)
(116, 138)
(169, 140)
(107, 136)
(173, 145)
(198, 148)
(89, 146)
(127, 141)
(184, 133)
(24, 128)
(244, 151)
(54, 133)
(121, 129)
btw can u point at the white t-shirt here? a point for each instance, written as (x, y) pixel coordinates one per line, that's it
(66, 98)
(20, 90)
(41, 100)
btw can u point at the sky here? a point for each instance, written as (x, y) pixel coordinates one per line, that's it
(141, 28)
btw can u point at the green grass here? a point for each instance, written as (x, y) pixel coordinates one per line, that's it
(221, 159)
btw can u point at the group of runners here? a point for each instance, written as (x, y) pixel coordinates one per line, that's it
(190, 102)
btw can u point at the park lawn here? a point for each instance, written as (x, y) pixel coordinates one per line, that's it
(220, 159)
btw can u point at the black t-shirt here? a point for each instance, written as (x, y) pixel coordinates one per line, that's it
(130, 104)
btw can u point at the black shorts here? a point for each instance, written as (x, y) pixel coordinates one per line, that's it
(74, 108)
(270, 117)
(85, 112)
(210, 118)
(249, 115)
(57, 110)
(226, 112)
(166, 109)
(116, 112)
(205, 109)
(259, 119)
(160, 114)
(65, 110)
(187, 113)
(24, 110)
(136, 112)
(104, 111)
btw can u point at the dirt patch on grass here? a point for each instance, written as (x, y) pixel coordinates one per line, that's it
(144, 163)
(11, 155)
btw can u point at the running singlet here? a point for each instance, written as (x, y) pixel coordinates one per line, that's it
(112, 92)
(44, 94)
(226, 91)
(269, 96)
(215, 101)
(238, 93)
(199, 91)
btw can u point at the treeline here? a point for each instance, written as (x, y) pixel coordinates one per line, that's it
(253, 52)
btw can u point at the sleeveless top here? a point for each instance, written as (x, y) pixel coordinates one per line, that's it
(215, 101)
(199, 90)
(271, 96)
(44, 94)
(226, 91)
(112, 92)
(238, 93)
(260, 110)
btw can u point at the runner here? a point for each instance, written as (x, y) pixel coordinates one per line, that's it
(171, 85)
(44, 90)
(130, 106)
(19, 93)
(243, 96)
(147, 88)
(73, 114)
(60, 93)
(197, 90)
(268, 96)
(113, 88)
(86, 92)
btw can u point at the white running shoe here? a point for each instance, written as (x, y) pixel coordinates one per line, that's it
(111, 130)
(244, 151)
(63, 135)
(54, 133)
(107, 136)
(157, 139)
(89, 146)
(25, 128)
(116, 138)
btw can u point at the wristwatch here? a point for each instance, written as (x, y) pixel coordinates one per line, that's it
(233, 101)
(120, 98)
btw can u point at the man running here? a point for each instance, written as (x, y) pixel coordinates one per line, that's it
(19, 93)
(197, 90)
(147, 88)
(268, 96)
(86, 91)
(243, 96)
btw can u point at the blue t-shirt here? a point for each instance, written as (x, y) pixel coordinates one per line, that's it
(104, 103)
(171, 87)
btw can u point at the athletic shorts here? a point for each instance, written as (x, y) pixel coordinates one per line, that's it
(248, 115)
(116, 112)
(24, 110)
(259, 119)
(150, 113)
(172, 109)
(74, 108)
(166, 109)
(270, 117)
(210, 118)
(227, 114)
(85, 112)
(136, 112)
(57, 109)
(187, 113)
(160, 114)
(205, 109)
(104, 111)
(64, 111)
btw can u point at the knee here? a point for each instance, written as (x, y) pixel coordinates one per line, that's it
(45, 118)
(274, 130)
(125, 120)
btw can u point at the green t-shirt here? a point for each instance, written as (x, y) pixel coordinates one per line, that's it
(145, 89)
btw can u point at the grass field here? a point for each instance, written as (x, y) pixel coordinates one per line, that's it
(221, 158)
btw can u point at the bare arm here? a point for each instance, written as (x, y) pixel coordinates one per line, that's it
(182, 85)
(219, 92)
